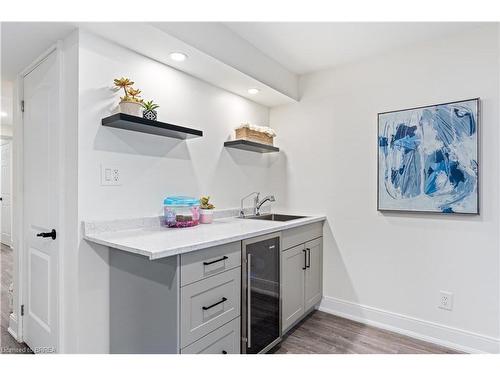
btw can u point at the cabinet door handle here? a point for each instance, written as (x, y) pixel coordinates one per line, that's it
(224, 299)
(308, 258)
(215, 261)
(224, 352)
(305, 259)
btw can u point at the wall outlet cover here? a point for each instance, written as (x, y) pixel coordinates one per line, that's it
(110, 175)
(445, 300)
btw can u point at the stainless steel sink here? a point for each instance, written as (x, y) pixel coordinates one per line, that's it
(274, 217)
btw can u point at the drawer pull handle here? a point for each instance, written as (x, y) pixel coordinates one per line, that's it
(224, 299)
(224, 352)
(215, 261)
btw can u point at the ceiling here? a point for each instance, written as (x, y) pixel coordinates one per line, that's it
(234, 56)
(23, 42)
(305, 47)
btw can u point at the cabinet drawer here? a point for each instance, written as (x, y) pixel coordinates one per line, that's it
(224, 340)
(299, 235)
(208, 304)
(201, 264)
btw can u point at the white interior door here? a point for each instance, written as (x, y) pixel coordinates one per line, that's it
(5, 193)
(40, 209)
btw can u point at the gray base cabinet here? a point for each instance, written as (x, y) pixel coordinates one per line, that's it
(187, 303)
(302, 270)
(191, 303)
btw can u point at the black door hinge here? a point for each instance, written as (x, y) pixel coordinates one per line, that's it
(22, 310)
(22, 105)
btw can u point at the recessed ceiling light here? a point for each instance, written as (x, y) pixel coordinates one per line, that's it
(178, 56)
(3, 114)
(253, 91)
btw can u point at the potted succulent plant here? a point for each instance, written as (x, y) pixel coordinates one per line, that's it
(149, 110)
(130, 103)
(206, 210)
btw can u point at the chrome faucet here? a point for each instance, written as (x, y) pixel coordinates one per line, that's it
(257, 203)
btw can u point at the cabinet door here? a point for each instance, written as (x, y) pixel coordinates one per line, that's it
(314, 273)
(293, 264)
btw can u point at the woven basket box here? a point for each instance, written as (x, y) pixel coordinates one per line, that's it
(253, 135)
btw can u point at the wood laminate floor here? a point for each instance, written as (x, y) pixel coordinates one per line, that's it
(322, 333)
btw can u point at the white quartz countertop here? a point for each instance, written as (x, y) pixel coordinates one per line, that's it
(157, 242)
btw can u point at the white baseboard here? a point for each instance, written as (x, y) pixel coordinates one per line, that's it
(450, 337)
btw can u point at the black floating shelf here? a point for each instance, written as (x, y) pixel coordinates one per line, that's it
(142, 125)
(251, 146)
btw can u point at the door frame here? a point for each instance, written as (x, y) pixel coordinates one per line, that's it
(18, 243)
(7, 139)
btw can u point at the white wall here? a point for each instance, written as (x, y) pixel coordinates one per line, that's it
(151, 167)
(329, 164)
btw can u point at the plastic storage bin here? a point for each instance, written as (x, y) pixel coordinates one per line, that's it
(181, 212)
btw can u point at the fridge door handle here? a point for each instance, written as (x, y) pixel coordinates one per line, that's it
(249, 302)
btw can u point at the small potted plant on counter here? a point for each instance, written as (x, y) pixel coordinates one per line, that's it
(206, 210)
(130, 103)
(149, 110)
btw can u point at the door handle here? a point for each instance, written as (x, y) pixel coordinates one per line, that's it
(249, 301)
(305, 259)
(308, 258)
(51, 234)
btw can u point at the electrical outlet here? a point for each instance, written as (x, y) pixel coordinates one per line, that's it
(110, 176)
(445, 300)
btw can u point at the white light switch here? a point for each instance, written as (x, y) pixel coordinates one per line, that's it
(110, 175)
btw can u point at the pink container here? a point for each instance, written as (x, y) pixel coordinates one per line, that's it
(206, 216)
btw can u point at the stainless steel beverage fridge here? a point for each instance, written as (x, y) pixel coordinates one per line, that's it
(260, 294)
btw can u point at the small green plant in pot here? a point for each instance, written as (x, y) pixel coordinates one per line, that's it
(206, 210)
(149, 111)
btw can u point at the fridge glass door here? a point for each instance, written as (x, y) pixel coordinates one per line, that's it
(263, 294)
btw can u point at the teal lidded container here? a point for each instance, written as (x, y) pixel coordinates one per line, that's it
(181, 211)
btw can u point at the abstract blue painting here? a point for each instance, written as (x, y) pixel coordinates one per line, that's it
(428, 159)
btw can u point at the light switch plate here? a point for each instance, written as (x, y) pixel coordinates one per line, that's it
(110, 175)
